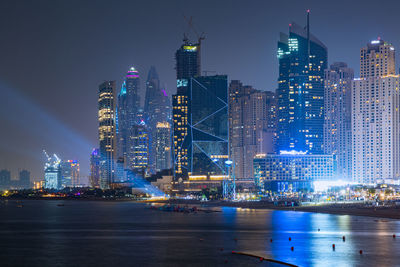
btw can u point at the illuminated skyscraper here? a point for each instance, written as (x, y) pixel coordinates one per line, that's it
(204, 148)
(157, 109)
(127, 110)
(187, 66)
(52, 173)
(163, 146)
(138, 145)
(337, 127)
(94, 178)
(107, 133)
(375, 116)
(300, 94)
(70, 173)
(252, 126)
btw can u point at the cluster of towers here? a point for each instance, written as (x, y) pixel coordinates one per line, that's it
(320, 123)
(134, 141)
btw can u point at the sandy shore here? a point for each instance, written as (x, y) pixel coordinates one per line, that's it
(356, 209)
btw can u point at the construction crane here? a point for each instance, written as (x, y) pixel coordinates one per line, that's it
(47, 155)
(200, 37)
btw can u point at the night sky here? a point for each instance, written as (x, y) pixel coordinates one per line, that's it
(54, 54)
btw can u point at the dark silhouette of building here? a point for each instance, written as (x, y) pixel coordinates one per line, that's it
(5, 179)
(24, 179)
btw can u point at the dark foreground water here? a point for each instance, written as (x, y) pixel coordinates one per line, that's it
(95, 233)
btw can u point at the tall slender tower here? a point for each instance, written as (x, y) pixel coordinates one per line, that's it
(252, 126)
(337, 126)
(375, 116)
(128, 116)
(300, 94)
(157, 109)
(107, 132)
(94, 178)
(187, 66)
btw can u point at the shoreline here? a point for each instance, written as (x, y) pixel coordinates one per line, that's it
(353, 209)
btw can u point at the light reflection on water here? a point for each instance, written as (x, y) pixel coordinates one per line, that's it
(127, 233)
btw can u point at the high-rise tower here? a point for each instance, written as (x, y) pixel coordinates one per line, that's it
(300, 94)
(94, 178)
(107, 132)
(252, 126)
(128, 109)
(157, 109)
(187, 66)
(337, 126)
(375, 116)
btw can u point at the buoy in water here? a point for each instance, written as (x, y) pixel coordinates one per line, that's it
(318, 229)
(292, 248)
(290, 239)
(261, 259)
(394, 236)
(361, 251)
(270, 240)
(344, 239)
(333, 246)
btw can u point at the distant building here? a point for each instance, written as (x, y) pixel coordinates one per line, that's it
(375, 116)
(252, 116)
(300, 94)
(163, 144)
(70, 173)
(94, 178)
(292, 171)
(24, 179)
(52, 173)
(107, 133)
(138, 145)
(337, 126)
(5, 179)
(157, 109)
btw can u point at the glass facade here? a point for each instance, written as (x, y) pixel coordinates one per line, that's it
(293, 168)
(302, 61)
(187, 66)
(107, 133)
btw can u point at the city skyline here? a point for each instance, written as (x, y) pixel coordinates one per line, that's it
(49, 98)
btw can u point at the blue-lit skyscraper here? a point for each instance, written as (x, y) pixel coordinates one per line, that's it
(302, 61)
(52, 173)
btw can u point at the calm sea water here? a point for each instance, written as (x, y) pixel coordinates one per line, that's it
(95, 233)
